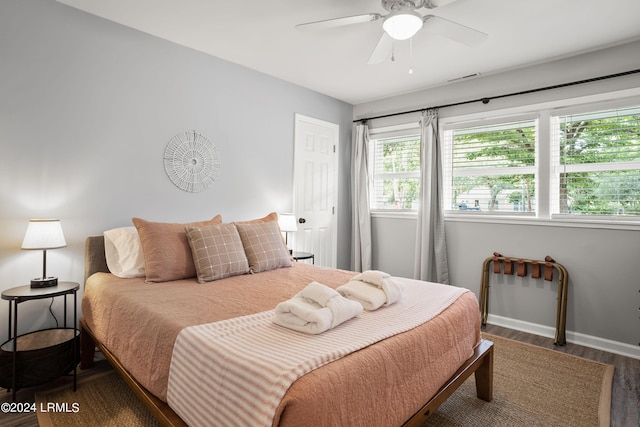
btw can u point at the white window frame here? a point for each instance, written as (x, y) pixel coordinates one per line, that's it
(545, 170)
(557, 168)
(488, 171)
(395, 131)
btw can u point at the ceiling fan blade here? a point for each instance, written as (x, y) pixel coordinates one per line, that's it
(432, 4)
(382, 50)
(339, 22)
(454, 31)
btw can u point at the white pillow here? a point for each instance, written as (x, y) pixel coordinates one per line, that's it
(123, 251)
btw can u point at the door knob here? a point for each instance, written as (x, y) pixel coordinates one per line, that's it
(302, 220)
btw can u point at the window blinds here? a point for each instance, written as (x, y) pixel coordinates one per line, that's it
(596, 158)
(491, 167)
(395, 168)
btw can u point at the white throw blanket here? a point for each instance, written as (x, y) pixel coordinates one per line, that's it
(236, 371)
(372, 289)
(315, 309)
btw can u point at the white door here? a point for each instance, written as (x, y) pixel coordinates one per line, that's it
(315, 191)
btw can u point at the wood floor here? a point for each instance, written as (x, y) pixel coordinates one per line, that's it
(625, 406)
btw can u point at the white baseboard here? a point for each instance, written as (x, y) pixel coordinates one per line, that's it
(616, 347)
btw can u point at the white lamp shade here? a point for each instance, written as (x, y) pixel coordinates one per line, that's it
(287, 222)
(44, 234)
(402, 24)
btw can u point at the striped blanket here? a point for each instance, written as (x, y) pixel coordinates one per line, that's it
(236, 371)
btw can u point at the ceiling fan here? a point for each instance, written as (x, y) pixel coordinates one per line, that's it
(403, 22)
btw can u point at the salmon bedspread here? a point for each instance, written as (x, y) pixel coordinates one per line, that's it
(381, 384)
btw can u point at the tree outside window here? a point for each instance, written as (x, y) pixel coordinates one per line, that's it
(395, 173)
(599, 163)
(493, 167)
(594, 163)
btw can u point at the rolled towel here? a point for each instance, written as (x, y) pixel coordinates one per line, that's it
(303, 315)
(393, 290)
(371, 297)
(315, 309)
(318, 293)
(343, 309)
(373, 277)
(372, 289)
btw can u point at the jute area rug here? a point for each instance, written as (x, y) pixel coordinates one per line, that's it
(533, 386)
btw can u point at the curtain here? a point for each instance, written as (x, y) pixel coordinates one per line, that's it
(431, 248)
(361, 218)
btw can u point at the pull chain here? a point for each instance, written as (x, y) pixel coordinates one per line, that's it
(411, 56)
(393, 50)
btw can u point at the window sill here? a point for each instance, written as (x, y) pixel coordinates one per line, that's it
(612, 224)
(394, 214)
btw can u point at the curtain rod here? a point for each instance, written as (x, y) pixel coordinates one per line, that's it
(487, 99)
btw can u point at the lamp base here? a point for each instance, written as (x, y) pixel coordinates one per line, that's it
(45, 282)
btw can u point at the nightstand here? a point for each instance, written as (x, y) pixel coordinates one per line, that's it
(41, 356)
(297, 256)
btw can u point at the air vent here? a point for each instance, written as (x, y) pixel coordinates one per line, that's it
(468, 76)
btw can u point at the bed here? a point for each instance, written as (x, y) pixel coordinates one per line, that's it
(135, 324)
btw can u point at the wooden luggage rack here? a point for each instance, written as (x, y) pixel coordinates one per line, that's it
(522, 265)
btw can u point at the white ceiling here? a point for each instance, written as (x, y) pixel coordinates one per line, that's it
(261, 35)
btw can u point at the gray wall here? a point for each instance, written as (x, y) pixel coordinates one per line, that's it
(603, 297)
(87, 107)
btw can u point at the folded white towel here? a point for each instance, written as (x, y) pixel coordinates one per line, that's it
(303, 315)
(393, 289)
(371, 297)
(343, 309)
(373, 289)
(318, 293)
(315, 309)
(374, 277)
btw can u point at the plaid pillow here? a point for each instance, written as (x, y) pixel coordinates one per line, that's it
(217, 252)
(166, 250)
(263, 245)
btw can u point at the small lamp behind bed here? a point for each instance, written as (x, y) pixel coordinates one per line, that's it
(44, 234)
(287, 223)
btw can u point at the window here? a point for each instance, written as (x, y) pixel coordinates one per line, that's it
(597, 163)
(579, 163)
(491, 168)
(394, 165)
(571, 161)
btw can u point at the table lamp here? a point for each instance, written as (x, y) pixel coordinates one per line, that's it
(43, 234)
(287, 223)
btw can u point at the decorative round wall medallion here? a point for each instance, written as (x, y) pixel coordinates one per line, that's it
(191, 161)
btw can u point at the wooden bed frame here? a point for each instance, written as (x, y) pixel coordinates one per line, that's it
(480, 363)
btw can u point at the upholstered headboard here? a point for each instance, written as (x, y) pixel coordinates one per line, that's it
(94, 258)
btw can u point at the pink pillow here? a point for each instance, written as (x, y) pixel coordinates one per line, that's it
(273, 216)
(167, 255)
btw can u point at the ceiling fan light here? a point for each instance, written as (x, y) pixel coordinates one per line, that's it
(402, 24)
